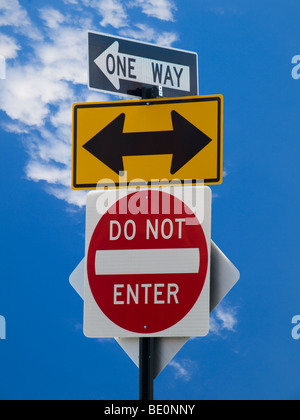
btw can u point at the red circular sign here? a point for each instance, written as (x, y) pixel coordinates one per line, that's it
(147, 262)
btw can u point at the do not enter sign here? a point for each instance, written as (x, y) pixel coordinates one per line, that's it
(148, 260)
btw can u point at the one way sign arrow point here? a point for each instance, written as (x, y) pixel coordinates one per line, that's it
(107, 64)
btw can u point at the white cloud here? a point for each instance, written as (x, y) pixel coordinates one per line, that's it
(38, 97)
(112, 12)
(141, 31)
(64, 56)
(37, 171)
(28, 91)
(183, 369)
(160, 9)
(51, 75)
(223, 319)
(75, 198)
(70, 1)
(8, 47)
(31, 89)
(52, 17)
(63, 116)
(166, 39)
(144, 32)
(13, 14)
(52, 149)
(15, 127)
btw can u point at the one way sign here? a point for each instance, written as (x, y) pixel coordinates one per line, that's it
(119, 65)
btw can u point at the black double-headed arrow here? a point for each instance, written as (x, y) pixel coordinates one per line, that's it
(111, 143)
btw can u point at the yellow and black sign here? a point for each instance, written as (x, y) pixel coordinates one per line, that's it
(148, 142)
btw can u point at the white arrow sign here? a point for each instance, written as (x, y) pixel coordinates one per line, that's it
(117, 66)
(127, 67)
(224, 276)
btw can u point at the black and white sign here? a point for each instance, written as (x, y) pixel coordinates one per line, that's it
(125, 67)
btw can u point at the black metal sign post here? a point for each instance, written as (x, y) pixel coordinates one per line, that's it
(146, 368)
(146, 350)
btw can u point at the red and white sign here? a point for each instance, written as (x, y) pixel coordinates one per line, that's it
(148, 266)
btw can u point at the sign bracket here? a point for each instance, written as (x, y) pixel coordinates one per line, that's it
(145, 93)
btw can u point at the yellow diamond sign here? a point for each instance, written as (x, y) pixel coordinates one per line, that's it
(148, 143)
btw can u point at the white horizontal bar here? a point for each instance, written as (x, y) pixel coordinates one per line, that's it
(148, 261)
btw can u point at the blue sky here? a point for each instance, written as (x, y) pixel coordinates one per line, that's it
(245, 52)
